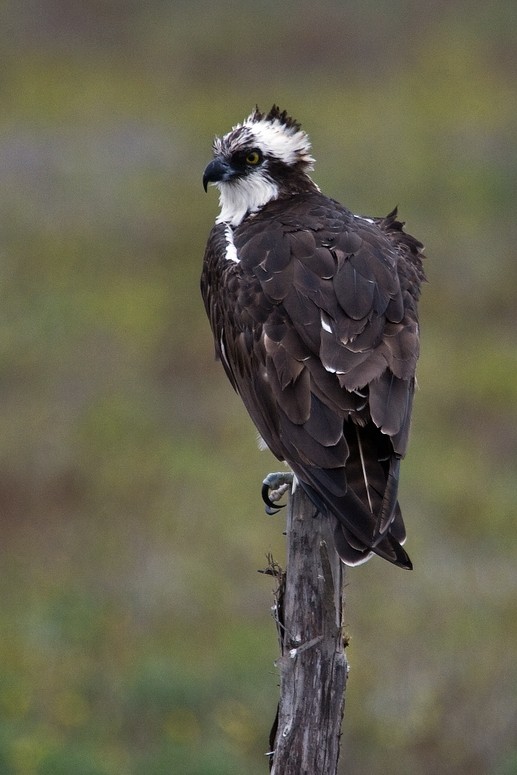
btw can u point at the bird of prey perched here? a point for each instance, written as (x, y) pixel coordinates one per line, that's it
(314, 316)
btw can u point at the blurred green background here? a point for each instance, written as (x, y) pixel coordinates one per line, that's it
(136, 635)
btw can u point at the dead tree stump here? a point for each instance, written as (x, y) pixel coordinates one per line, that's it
(305, 739)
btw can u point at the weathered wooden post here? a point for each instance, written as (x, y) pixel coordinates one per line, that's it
(305, 739)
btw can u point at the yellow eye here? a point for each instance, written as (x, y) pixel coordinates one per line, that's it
(253, 157)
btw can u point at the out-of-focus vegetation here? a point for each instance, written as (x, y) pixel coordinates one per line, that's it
(136, 637)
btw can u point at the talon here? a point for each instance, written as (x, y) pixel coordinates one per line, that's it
(274, 486)
(271, 509)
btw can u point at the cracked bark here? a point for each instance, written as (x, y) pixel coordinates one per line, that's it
(305, 738)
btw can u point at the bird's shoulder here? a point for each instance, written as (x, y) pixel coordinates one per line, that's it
(314, 230)
(311, 248)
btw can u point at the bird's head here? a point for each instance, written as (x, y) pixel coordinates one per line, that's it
(264, 158)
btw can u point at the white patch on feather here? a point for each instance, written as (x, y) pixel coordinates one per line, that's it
(325, 323)
(238, 198)
(331, 369)
(223, 351)
(231, 250)
(356, 563)
(287, 144)
(261, 443)
(363, 466)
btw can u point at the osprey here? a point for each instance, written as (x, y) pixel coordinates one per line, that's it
(314, 316)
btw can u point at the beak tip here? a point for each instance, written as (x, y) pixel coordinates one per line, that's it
(216, 171)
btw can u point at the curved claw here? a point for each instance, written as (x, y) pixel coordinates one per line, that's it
(276, 484)
(271, 508)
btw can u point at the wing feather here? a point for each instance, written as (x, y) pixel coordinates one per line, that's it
(317, 330)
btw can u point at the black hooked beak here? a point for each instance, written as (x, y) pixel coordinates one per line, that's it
(217, 170)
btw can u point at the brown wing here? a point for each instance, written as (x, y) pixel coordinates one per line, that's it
(319, 337)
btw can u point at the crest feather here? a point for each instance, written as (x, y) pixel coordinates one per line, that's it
(275, 114)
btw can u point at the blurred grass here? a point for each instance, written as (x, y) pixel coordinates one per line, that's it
(135, 632)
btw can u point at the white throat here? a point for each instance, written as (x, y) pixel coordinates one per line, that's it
(242, 197)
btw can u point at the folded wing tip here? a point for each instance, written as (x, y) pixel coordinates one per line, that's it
(389, 549)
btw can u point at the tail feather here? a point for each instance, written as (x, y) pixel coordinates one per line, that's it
(351, 553)
(357, 535)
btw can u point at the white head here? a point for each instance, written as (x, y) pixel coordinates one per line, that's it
(264, 158)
